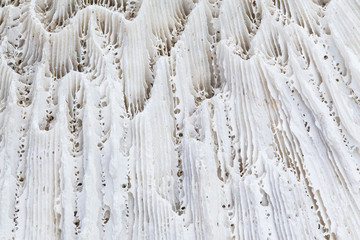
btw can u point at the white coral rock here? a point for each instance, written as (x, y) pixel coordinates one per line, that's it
(179, 119)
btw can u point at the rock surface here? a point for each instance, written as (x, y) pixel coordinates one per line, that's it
(179, 119)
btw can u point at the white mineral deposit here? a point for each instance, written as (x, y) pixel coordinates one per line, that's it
(180, 119)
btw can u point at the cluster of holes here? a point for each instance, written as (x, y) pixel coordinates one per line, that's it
(102, 27)
(76, 222)
(82, 60)
(49, 118)
(105, 209)
(20, 176)
(215, 80)
(129, 201)
(24, 98)
(51, 100)
(14, 55)
(106, 216)
(280, 13)
(216, 8)
(131, 9)
(224, 206)
(163, 45)
(336, 65)
(75, 128)
(335, 117)
(235, 151)
(286, 157)
(230, 212)
(117, 62)
(178, 134)
(103, 137)
(75, 123)
(180, 208)
(163, 49)
(255, 16)
(78, 188)
(263, 202)
(224, 175)
(104, 133)
(332, 114)
(24, 94)
(214, 38)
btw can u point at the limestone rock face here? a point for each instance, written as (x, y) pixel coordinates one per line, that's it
(180, 119)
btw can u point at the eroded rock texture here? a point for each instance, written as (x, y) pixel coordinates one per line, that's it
(179, 119)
